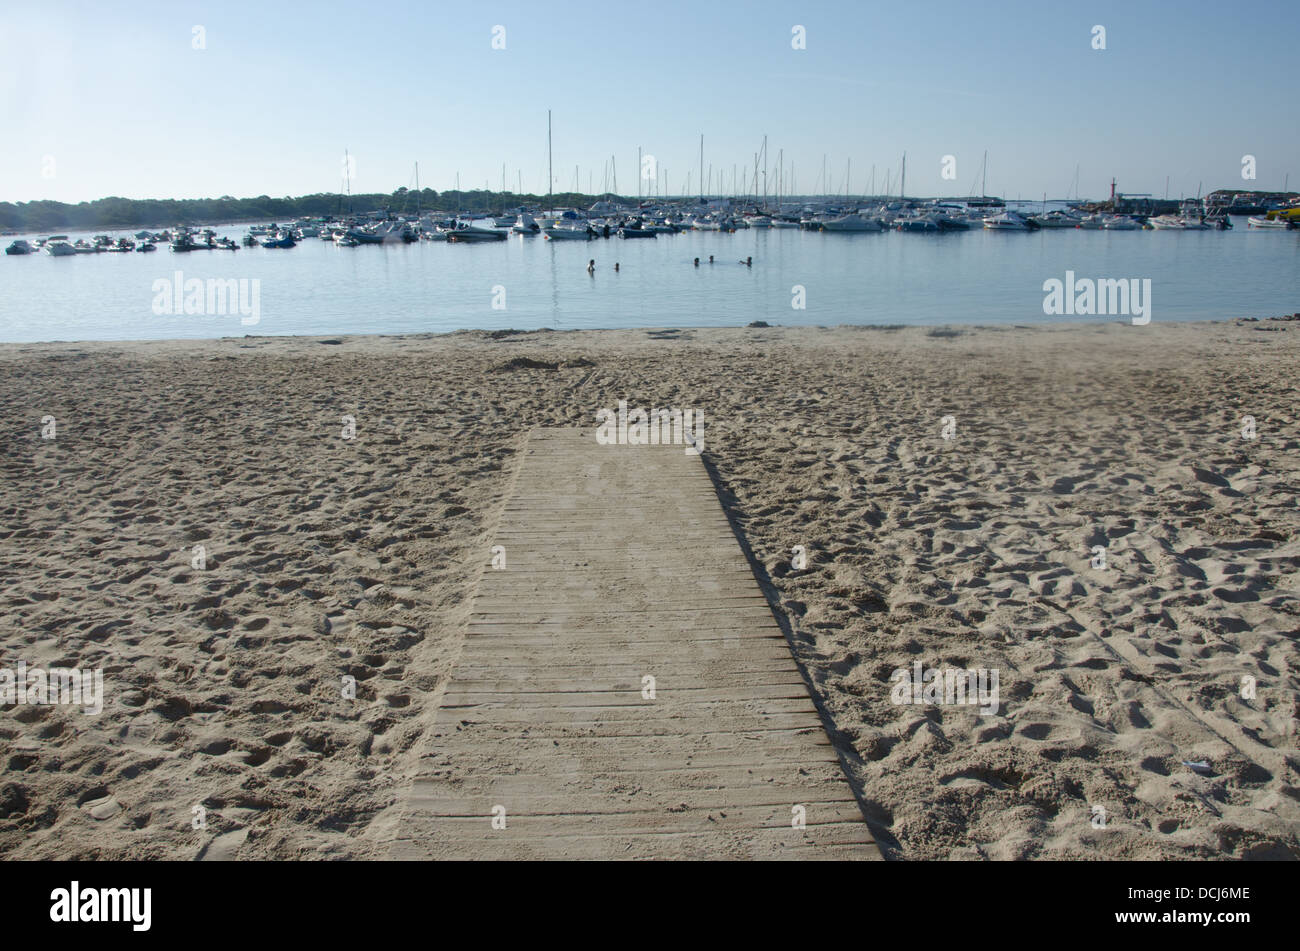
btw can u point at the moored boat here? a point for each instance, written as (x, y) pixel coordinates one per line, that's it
(566, 233)
(1119, 223)
(1056, 219)
(1177, 223)
(852, 222)
(1007, 221)
(1262, 223)
(471, 231)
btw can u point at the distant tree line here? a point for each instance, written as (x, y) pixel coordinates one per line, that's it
(111, 214)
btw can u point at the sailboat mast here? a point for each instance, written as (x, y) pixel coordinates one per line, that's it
(701, 166)
(984, 181)
(550, 171)
(780, 178)
(902, 183)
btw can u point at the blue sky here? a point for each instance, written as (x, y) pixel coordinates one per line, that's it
(119, 99)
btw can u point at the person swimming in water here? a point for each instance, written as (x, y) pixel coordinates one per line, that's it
(616, 267)
(710, 258)
(591, 266)
(697, 262)
(748, 262)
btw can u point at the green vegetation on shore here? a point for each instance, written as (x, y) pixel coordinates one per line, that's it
(120, 213)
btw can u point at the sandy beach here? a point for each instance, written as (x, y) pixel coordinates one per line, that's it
(230, 528)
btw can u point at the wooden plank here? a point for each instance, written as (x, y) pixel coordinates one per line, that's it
(620, 563)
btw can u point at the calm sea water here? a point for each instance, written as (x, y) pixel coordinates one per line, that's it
(887, 278)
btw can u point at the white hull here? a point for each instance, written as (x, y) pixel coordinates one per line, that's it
(1174, 223)
(1055, 221)
(567, 234)
(1005, 222)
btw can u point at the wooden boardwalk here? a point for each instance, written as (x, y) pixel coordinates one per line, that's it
(620, 565)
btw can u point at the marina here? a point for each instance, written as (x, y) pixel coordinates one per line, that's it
(859, 264)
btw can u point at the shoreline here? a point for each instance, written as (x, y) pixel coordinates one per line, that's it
(542, 332)
(329, 556)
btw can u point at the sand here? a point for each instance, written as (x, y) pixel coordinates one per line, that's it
(225, 734)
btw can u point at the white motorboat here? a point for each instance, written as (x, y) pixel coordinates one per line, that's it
(1262, 223)
(1056, 219)
(19, 247)
(916, 222)
(568, 233)
(59, 247)
(1119, 223)
(476, 230)
(525, 224)
(1177, 223)
(1007, 221)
